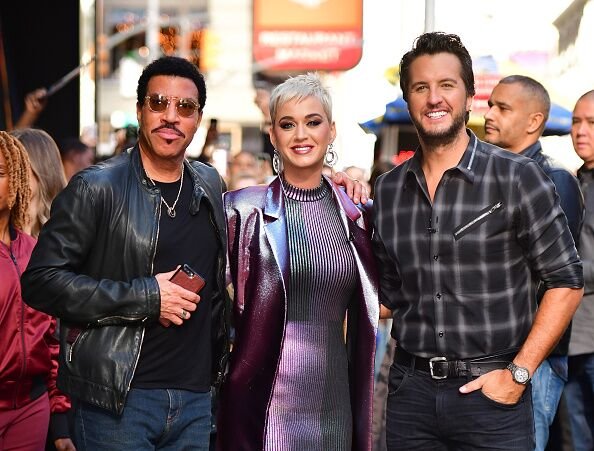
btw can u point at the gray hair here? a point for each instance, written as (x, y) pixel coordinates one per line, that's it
(300, 87)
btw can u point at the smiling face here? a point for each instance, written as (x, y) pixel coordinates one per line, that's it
(165, 136)
(437, 98)
(582, 129)
(302, 133)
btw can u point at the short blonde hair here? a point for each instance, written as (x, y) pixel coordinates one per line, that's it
(300, 87)
(19, 190)
(47, 166)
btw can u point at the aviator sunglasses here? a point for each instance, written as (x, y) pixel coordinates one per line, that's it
(158, 103)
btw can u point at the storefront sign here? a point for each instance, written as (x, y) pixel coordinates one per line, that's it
(299, 35)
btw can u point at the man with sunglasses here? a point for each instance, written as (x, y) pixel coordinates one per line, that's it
(139, 352)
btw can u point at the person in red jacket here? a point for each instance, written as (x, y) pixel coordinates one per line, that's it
(28, 346)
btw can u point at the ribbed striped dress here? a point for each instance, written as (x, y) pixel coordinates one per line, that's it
(310, 407)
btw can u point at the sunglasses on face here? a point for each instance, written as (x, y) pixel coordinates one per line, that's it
(158, 103)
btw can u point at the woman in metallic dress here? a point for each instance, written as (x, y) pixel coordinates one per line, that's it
(305, 285)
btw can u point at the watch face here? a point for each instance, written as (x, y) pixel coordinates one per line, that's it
(521, 375)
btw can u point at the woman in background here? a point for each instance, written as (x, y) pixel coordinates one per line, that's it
(28, 347)
(300, 263)
(48, 177)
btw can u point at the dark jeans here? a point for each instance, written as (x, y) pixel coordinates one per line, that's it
(176, 420)
(579, 392)
(427, 414)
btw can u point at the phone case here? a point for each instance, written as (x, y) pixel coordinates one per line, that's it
(187, 278)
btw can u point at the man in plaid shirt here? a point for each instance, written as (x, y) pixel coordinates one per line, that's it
(463, 232)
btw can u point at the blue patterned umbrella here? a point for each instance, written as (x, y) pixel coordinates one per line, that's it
(396, 113)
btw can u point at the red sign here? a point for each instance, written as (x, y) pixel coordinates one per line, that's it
(298, 35)
(483, 86)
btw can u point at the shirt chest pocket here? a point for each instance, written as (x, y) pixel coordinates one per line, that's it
(474, 222)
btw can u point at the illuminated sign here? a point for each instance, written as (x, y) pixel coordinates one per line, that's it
(298, 35)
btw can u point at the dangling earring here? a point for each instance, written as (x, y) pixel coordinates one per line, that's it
(276, 162)
(331, 155)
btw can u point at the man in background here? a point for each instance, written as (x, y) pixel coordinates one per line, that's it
(579, 390)
(262, 99)
(35, 103)
(76, 156)
(518, 110)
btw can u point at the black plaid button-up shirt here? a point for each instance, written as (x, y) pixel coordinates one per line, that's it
(460, 274)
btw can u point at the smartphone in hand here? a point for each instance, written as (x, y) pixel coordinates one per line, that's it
(187, 278)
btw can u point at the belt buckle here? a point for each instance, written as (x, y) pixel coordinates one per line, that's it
(432, 362)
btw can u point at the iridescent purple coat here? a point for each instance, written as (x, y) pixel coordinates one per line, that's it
(259, 268)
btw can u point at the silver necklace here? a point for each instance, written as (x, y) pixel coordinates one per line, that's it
(171, 209)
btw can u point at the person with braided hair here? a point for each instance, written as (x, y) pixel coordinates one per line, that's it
(28, 346)
(14, 184)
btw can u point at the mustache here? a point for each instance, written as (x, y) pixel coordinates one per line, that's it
(170, 127)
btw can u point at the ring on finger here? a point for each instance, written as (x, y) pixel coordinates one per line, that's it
(184, 314)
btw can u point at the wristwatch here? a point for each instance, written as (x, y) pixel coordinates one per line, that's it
(520, 375)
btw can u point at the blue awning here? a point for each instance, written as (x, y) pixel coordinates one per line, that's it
(559, 122)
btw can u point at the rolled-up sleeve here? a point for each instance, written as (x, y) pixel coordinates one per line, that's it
(544, 231)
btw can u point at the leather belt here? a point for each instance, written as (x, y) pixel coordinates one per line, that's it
(442, 367)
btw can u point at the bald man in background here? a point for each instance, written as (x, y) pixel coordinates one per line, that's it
(518, 110)
(579, 391)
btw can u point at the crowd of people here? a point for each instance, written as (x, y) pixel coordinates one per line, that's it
(478, 253)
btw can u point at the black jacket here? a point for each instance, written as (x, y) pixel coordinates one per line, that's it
(93, 269)
(567, 186)
(572, 204)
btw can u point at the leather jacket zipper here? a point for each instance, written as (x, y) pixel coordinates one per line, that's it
(74, 343)
(125, 318)
(220, 277)
(136, 361)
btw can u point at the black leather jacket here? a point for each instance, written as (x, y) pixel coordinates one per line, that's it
(93, 269)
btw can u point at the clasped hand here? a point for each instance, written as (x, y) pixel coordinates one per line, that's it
(177, 303)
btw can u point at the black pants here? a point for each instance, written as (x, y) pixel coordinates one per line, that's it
(427, 414)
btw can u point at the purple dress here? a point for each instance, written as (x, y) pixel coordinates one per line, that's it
(310, 406)
(265, 277)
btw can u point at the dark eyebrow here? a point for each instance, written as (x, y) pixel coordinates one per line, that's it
(422, 82)
(418, 83)
(307, 116)
(499, 104)
(451, 80)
